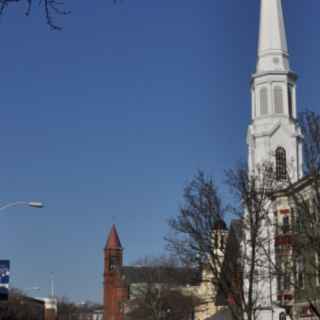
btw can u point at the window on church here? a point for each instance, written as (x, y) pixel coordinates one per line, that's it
(281, 164)
(263, 101)
(278, 99)
(113, 263)
(285, 224)
(290, 101)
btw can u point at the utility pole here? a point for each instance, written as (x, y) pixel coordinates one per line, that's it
(52, 285)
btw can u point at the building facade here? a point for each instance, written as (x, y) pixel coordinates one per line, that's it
(297, 247)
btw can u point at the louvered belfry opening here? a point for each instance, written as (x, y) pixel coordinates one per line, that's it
(281, 164)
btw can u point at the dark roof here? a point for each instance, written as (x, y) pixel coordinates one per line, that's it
(32, 300)
(176, 276)
(113, 241)
(220, 225)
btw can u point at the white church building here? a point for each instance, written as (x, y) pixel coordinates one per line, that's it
(274, 137)
(274, 132)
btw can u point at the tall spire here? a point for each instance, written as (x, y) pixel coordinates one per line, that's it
(113, 241)
(272, 48)
(274, 129)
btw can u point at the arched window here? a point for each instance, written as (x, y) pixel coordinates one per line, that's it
(281, 164)
(263, 101)
(278, 99)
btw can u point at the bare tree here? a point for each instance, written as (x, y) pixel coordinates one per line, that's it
(50, 8)
(253, 191)
(298, 235)
(21, 307)
(194, 230)
(68, 310)
(162, 293)
(310, 126)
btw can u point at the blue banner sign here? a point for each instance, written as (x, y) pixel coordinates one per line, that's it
(4, 279)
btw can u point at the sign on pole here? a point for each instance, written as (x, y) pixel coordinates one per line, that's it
(4, 279)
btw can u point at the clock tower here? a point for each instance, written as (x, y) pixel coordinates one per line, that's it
(115, 291)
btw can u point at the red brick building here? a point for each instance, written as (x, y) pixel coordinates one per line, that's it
(115, 289)
(120, 282)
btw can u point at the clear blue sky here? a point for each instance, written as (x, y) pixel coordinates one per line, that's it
(111, 117)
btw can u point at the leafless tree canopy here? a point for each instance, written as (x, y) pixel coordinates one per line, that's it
(50, 8)
(310, 125)
(20, 307)
(193, 232)
(253, 193)
(68, 310)
(191, 237)
(297, 261)
(162, 292)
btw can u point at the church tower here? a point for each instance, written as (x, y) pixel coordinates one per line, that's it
(274, 135)
(115, 292)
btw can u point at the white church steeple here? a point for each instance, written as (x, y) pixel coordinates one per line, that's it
(272, 47)
(274, 135)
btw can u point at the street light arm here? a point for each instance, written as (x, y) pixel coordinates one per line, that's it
(32, 204)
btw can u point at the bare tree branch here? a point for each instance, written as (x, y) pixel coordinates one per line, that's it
(51, 8)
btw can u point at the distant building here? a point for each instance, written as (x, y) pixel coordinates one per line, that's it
(91, 315)
(121, 282)
(21, 307)
(51, 308)
(34, 306)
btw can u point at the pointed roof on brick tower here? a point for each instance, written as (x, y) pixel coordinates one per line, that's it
(113, 241)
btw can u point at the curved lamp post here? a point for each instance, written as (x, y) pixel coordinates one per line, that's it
(32, 204)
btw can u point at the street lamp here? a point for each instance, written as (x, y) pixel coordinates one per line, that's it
(31, 204)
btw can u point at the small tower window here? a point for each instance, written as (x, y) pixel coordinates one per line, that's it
(278, 99)
(281, 164)
(290, 101)
(285, 224)
(263, 101)
(113, 263)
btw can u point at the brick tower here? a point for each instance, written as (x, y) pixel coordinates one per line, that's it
(115, 291)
